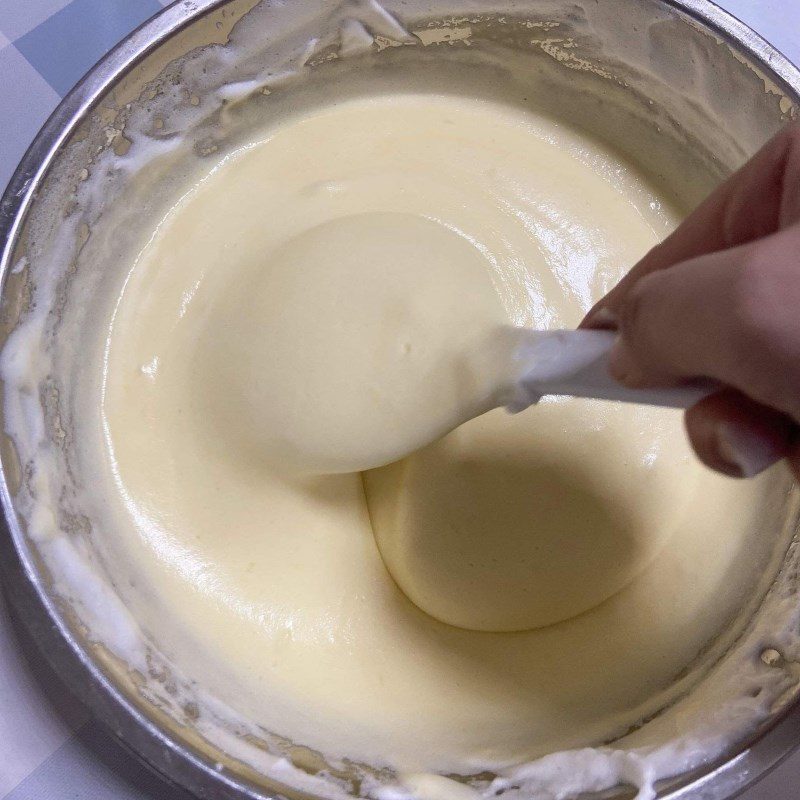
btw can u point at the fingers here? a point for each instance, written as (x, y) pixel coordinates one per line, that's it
(737, 436)
(729, 315)
(759, 199)
(716, 300)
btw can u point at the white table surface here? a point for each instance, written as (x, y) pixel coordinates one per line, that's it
(49, 748)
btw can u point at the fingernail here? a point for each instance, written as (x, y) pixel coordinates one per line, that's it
(622, 367)
(603, 318)
(743, 451)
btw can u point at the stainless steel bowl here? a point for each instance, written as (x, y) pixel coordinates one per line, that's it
(759, 85)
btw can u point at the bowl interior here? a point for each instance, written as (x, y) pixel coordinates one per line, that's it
(663, 76)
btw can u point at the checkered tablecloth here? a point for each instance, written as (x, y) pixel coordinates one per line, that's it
(45, 47)
(49, 747)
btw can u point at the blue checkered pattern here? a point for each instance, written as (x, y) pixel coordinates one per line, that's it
(45, 47)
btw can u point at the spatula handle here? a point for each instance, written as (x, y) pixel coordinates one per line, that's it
(575, 362)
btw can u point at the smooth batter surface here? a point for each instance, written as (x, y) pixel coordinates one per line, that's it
(356, 342)
(349, 256)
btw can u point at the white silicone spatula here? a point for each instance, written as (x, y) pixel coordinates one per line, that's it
(575, 362)
(511, 367)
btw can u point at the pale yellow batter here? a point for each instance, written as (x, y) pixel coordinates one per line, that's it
(351, 257)
(353, 343)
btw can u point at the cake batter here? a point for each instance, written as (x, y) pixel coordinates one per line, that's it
(406, 617)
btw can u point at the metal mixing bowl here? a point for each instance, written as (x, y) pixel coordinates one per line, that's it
(755, 112)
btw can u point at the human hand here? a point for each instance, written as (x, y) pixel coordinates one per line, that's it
(720, 299)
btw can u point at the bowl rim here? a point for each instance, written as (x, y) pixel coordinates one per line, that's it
(175, 760)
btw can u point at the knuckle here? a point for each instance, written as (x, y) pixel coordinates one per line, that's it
(640, 324)
(752, 303)
(631, 312)
(763, 337)
(633, 309)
